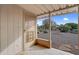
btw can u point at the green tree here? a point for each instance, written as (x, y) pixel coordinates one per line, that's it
(67, 27)
(72, 25)
(63, 28)
(46, 24)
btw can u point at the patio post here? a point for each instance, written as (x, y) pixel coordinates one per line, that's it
(36, 29)
(23, 47)
(78, 25)
(50, 29)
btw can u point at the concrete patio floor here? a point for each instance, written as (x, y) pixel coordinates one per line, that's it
(38, 50)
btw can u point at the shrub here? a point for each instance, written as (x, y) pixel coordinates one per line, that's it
(75, 31)
(45, 31)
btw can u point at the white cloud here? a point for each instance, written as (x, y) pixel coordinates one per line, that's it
(66, 19)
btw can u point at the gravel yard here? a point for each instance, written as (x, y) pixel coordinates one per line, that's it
(60, 38)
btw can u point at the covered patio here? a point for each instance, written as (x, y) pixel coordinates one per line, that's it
(18, 27)
(46, 11)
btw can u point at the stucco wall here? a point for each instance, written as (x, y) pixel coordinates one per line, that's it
(43, 42)
(13, 30)
(11, 17)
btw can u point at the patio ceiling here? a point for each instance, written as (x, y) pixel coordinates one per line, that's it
(44, 9)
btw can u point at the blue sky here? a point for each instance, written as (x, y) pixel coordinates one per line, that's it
(62, 19)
